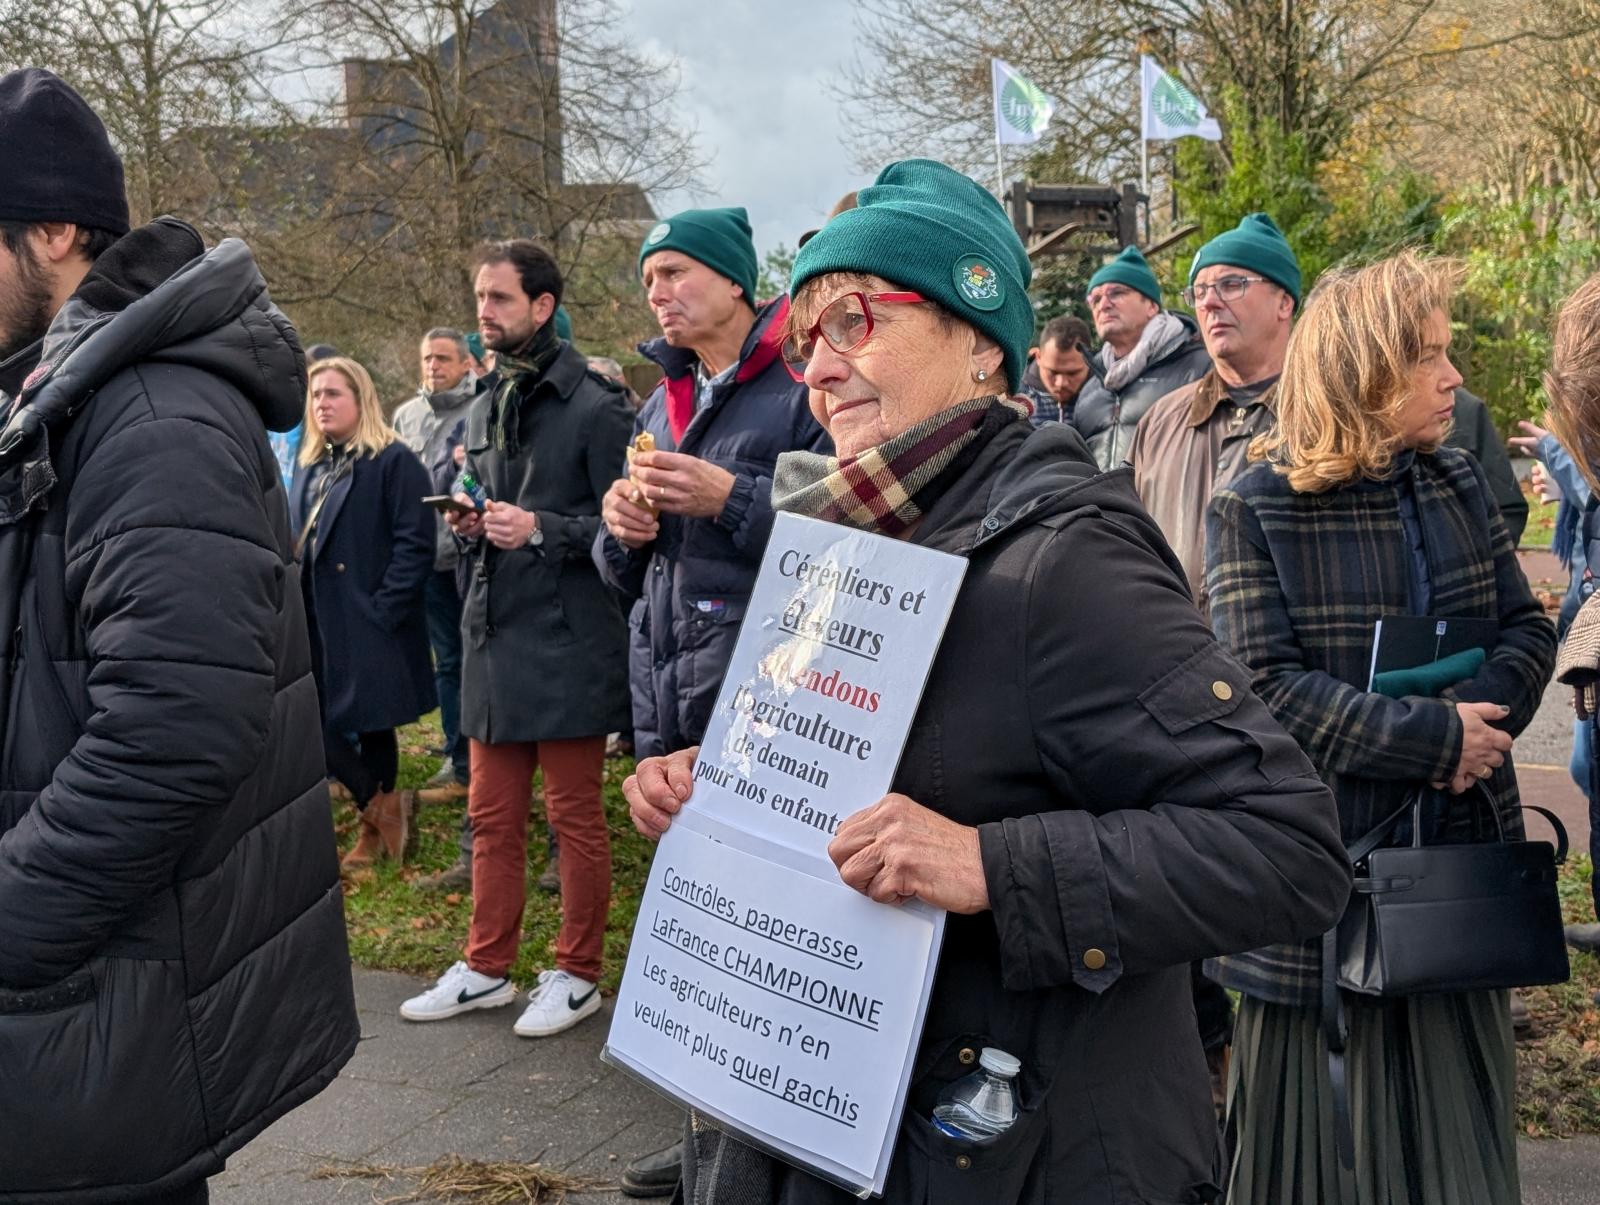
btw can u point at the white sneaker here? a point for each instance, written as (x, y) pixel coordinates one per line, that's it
(559, 1002)
(459, 990)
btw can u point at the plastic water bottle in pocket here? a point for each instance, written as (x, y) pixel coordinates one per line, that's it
(982, 1104)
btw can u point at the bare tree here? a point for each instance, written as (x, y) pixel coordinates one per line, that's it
(1524, 116)
(1309, 67)
(471, 120)
(150, 69)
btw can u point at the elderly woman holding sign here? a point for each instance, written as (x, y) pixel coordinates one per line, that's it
(1090, 788)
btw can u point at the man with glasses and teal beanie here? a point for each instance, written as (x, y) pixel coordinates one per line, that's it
(685, 530)
(1244, 286)
(1148, 352)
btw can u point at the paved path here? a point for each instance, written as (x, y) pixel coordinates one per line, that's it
(467, 1086)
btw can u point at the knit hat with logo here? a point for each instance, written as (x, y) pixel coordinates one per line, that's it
(925, 227)
(718, 238)
(1256, 245)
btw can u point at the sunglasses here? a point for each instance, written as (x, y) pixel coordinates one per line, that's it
(845, 323)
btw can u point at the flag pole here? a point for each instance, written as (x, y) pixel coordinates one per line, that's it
(999, 166)
(1144, 176)
(1142, 48)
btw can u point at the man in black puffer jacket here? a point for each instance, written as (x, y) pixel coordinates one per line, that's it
(173, 967)
(1148, 352)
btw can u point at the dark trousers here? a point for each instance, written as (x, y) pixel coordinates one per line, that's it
(367, 765)
(443, 607)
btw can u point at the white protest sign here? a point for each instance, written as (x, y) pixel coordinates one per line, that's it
(781, 1004)
(760, 989)
(824, 680)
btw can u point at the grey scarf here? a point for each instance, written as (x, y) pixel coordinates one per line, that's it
(1160, 333)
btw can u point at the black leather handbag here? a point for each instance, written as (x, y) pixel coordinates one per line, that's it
(1451, 918)
(1440, 918)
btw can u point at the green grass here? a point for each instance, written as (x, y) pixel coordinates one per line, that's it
(1558, 1072)
(395, 927)
(1541, 526)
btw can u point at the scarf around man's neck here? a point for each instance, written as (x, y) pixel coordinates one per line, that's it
(518, 372)
(889, 488)
(1159, 333)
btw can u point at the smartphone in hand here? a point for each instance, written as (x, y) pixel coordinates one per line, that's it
(446, 504)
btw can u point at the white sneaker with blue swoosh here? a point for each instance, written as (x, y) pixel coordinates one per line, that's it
(460, 989)
(559, 1002)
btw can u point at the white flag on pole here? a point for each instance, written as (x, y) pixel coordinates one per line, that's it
(1021, 111)
(1170, 109)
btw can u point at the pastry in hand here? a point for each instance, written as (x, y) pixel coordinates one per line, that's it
(642, 442)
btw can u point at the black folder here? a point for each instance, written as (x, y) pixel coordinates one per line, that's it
(1414, 642)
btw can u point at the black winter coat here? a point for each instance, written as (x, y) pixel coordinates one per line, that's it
(1137, 809)
(544, 645)
(173, 967)
(1106, 420)
(690, 588)
(363, 575)
(1473, 431)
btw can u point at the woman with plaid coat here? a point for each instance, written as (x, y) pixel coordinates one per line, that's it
(1357, 512)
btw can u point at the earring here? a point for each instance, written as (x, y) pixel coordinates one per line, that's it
(983, 375)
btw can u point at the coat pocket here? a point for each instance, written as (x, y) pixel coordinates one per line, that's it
(1008, 1169)
(73, 990)
(1207, 706)
(99, 1080)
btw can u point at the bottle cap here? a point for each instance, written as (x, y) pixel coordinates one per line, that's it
(998, 1061)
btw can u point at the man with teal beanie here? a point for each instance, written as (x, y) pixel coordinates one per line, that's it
(1130, 268)
(718, 238)
(1254, 245)
(686, 528)
(1147, 353)
(1244, 286)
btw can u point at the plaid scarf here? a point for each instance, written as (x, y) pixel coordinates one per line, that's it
(518, 374)
(888, 488)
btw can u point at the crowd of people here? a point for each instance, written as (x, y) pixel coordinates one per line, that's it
(1145, 746)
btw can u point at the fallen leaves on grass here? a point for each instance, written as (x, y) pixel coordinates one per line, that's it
(453, 1177)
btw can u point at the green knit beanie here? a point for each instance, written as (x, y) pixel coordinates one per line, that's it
(718, 238)
(1129, 269)
(928, 228)
(563, 321)
(1256, 245)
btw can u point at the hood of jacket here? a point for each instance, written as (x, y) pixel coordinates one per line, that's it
(157, 295)
(1025, 476)
(442, 401)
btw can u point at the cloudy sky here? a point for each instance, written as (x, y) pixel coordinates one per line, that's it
(758, 87)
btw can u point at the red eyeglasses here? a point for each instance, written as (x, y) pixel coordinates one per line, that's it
(846, 323)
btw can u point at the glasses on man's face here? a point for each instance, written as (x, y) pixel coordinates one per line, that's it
(845, 322)
(1229, 288)
(1106, 295)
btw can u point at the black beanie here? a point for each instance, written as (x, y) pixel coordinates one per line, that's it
(59, 161)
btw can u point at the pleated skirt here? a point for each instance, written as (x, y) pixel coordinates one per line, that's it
(1432, 1098)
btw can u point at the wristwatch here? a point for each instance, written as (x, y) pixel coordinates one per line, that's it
(536, 536)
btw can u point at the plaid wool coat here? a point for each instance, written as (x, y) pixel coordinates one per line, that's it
(1297, 582)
